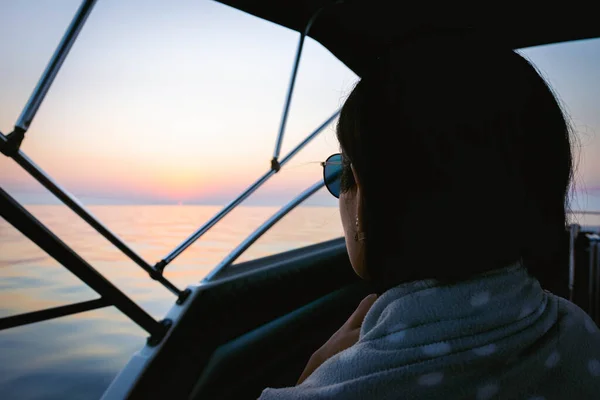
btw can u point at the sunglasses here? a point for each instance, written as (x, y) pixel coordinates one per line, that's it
(332, 174)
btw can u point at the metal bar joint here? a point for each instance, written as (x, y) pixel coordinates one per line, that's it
(12, 143)
(156, 338)
(275, 165)
(160, 266)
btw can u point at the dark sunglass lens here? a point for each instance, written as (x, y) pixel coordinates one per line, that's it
(333, 174)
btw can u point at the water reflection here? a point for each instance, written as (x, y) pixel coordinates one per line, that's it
(78, 356)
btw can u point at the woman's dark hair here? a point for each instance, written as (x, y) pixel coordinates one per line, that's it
(464, 161)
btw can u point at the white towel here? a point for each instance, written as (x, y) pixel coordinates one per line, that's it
(497, 336)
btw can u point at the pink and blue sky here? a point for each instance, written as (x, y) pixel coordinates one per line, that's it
(167, 102)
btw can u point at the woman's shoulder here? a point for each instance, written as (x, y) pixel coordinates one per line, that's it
(573, 317)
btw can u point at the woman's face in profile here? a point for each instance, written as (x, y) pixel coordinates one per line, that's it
(350, 209)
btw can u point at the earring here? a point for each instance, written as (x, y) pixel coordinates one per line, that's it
(358, 235)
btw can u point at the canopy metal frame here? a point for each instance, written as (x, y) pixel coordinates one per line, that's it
(15, 214)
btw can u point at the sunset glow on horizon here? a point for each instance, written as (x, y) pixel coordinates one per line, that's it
(181, 103)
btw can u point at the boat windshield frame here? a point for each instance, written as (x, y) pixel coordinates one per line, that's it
(13, 212)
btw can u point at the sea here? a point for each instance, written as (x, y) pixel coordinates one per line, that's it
(76, 357)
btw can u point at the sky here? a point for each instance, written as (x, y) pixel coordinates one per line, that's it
(180, 102)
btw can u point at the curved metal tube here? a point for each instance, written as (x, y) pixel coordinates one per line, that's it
(288, 98)
(227, 261)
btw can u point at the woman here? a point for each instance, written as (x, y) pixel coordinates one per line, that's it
(455, 170)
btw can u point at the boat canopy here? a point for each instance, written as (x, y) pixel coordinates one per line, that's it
(357, 31)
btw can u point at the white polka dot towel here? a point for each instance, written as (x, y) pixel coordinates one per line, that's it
(497, 336)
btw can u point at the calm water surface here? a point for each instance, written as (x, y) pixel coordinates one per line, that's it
(76, 357)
